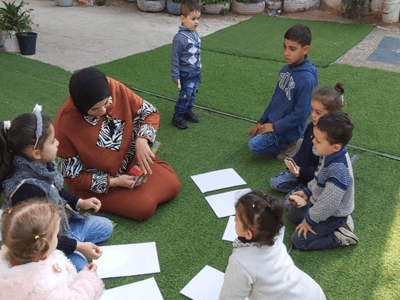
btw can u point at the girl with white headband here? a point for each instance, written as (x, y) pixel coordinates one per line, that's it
(27, 170)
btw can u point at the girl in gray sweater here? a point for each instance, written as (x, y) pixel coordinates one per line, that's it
(260, 267)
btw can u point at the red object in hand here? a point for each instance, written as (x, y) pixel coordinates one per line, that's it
(135, 171)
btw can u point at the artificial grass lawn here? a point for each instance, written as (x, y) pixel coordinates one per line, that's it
(187, 232)
(244, 86)
(262, 37)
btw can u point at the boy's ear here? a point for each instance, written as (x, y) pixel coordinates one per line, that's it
(306, 49)
(182, 18)
(337, 147)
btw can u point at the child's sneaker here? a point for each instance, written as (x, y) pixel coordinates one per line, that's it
(349, 225)
(346, 237)
(179, 122)
(191, 117)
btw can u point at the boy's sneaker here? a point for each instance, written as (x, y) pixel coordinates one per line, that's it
(349, 225)
(191, 117)
(179, 122)
(289, 151)
(346, 237)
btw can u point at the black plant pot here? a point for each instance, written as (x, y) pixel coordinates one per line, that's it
(27, 42)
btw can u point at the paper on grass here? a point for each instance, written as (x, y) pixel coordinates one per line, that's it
(224, 204)
(217, 180)
(128, 260)
(230, 232)
(206, 285)
(142, 290)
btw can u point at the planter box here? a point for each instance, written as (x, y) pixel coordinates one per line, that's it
(248, 8)
(10, 43)
(151, 6)
(173, 8)
(299, 5)
(64, 2)
(215, 8)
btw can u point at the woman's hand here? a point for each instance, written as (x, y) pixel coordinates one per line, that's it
(144, 154)
(90, 250)
(90, 203)
(124, 180)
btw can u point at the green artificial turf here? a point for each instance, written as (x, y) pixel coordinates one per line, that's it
(186, 231)
(262, 37)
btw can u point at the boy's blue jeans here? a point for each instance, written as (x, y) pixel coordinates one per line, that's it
(187, 95)
(91, 229)
(284, 182)
(265, 143)
(324, 238)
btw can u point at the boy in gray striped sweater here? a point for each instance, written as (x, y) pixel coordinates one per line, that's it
(322, 208)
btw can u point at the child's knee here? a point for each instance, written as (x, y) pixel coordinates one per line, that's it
(254, 147)
(298, 242)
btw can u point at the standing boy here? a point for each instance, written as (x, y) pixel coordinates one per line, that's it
(285, 117)
(322, 208)
(185, 63)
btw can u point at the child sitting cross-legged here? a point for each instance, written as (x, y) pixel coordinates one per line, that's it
(28, 148)
(30, 265)
(321, 209)
(260, 267)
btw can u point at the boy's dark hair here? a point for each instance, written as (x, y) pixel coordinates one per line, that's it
(187, 6)
(299, 33)
(262, 214)
(15, 140)
(330, 97)
(337, 126)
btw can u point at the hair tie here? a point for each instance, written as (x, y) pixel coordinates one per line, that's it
(37, 237)
(342, 99)
(254, 205)
(9, 211)
(39, 124)
(6, 126)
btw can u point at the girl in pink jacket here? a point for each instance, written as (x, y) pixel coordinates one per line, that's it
(30, 265)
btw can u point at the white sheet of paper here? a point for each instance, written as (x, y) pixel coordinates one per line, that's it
(141, 290)
(128, 260)
(230, 232)
(224, 204)
(206, 285)
(1, 212)
(217, 180)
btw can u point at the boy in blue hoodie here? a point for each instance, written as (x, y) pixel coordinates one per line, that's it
(285, 117)
(185, 63)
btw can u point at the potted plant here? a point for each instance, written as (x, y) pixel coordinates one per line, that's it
(216, 6)
(174, 7)
(248, 7)
(151, 5)
(14, 22)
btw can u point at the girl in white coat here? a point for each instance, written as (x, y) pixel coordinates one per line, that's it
(260, 267)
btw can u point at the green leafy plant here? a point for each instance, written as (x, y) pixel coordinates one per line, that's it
(354, 8)
(224, 11)
(249, 1)
(215, 1)
(14, 18)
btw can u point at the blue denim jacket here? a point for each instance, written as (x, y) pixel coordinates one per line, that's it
(185, 54)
